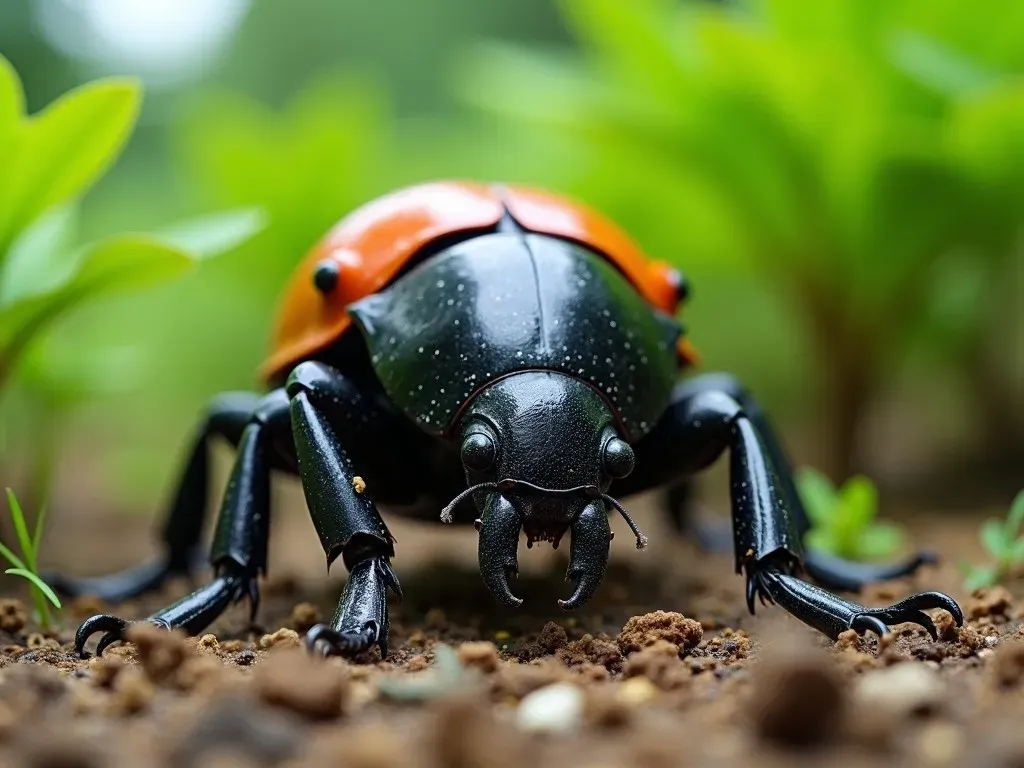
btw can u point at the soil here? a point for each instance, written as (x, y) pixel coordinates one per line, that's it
(664, 667)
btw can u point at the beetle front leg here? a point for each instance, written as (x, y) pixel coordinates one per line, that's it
(767, 530)
(346, 521)
(239, 550)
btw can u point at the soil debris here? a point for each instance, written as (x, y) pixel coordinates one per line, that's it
(283, 638)
(160, 651)
(993, 602)
(482, 655)
(12, 615)
(552, 637)
(660, 664)
(591, 650)
(1008, 664)
(296, 681)
(797, 698)
(305, 616)
(643, 631)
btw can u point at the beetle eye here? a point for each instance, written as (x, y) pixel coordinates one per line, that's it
(478, 452)
(618, 458)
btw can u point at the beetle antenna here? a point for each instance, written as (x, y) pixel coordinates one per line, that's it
(446, 513)
(641, 540)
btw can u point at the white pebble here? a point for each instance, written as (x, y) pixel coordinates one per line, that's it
(556, 708)
(901, 690)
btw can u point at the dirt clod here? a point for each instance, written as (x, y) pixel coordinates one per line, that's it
(12, 615)
(995, 602)
(594, 650)
(1008, 664)
(305, 616)
(946, 627)
(105, 670)
(296, 681)
(160, 651)
(659, 663)
(482, 656)
(643, 631)
(797, 699)
(281, 639)
(552, 637)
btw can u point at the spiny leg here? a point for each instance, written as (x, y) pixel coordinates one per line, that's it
(829, 571)
(239, 550)
(183, 525)
(767, 533)
(345, 518)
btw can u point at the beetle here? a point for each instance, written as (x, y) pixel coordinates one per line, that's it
(456, 342)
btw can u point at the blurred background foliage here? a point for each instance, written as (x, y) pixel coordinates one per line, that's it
(842, 181)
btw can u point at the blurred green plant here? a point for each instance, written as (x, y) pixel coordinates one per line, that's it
(50, 159)
(1003, 541)
(26, 565)
(852, 154)
(843, 520)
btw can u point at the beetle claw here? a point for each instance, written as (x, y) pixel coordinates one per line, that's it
(331, 642)
(112, 626)
(908, 611)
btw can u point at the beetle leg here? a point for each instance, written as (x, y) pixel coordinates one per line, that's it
(831, 572)
(345, 518)
(239, 551)
(768, 523)
(226, 417)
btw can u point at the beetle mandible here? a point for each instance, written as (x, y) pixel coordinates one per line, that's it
(456, 345)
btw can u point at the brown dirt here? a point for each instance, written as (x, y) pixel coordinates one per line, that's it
(669, 668)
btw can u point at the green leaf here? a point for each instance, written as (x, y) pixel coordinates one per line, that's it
(979, 577)
(37, 582)
(879, 541)
(993, 539)
(38, 261)
(21, 528)
(61, 151)
(822, 540)
(1015, 518)
(12, 558)
(115, 265)
(818, 495)
(12, 107)
(216, 233)
(937, 66)
(1017, 552)
(857, 504)
(37, 534)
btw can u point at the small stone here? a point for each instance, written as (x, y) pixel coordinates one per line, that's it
(946, 627)
(12, 615)
(996, 602)
(281, 639)
(359, 484)
(637, 691)
(555, 708)
(305, 616)
(643, 631)
(901, 690)
(208, 644)
(245, 658)
(296, 681)
(482, 656)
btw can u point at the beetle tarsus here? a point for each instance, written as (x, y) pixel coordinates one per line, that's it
(331, 642)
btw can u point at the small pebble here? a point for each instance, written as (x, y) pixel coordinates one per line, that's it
(637, 691)
(482, 656)
(283, 638)
(555, 708)
(901, 690)
(12, 615)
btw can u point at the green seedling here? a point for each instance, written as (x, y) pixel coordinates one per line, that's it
(1003, 541)
(25, 566)
(843, 520)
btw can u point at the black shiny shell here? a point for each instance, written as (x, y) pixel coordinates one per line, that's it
(501, 303)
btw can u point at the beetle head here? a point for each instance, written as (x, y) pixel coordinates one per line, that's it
(540, 450)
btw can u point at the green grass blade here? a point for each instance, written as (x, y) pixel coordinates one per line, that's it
(1016, 516)
(22, 530)
(38, 583)
(37, 534)
(12, 558)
